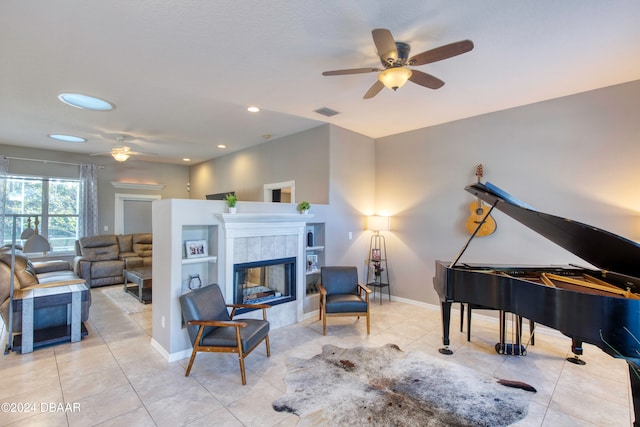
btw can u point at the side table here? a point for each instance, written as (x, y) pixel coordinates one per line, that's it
(26, 302)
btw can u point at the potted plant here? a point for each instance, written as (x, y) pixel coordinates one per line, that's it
(304, 207)
(231, 200)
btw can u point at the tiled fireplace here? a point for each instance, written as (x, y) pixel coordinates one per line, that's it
(264, 257)
(271, 282)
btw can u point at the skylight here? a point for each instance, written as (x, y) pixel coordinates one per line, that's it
(67, 138)
(85, 102)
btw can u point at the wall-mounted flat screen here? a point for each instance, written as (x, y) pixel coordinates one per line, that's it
(219, 196)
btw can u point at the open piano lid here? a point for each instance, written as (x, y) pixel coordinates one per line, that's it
(598, 247)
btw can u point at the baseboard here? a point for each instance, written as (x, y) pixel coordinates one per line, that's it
(171, 357)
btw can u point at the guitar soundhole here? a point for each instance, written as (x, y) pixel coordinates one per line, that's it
(479, 211)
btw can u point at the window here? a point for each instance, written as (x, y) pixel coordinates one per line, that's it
(54, 202)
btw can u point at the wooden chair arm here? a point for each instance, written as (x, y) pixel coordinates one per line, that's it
(365, 288)
(248, 305)
(322, 290)
(256, 306)
(221, 323)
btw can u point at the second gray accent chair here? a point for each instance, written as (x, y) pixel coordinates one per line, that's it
(342, 295)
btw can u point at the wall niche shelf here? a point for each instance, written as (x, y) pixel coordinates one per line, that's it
(315, 248)
(199, 260)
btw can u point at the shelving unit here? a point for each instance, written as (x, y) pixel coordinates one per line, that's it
(204, 268)
(315, 260)
(377, 266)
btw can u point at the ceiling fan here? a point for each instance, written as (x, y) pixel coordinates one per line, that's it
(122, 153)
(394, 57)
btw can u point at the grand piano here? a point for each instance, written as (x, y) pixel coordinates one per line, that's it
(599, 306)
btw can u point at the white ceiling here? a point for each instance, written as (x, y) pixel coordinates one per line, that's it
(182, 73)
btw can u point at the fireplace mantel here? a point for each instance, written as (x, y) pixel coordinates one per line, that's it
(242, 219)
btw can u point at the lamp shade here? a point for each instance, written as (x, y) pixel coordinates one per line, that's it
(378, 223)
(27, 232)
(394, 78)
(36, 243)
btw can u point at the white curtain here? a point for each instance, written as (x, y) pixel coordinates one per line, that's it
(88, 225)
(4, 171)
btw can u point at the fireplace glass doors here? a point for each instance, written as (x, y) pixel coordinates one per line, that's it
(265, 282)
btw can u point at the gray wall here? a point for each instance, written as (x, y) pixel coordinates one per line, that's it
(333, 169)
(174, 177)
(352, 197)
(303, 157)
(574, 157)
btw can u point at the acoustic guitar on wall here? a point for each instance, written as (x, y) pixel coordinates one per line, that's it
(480, 215)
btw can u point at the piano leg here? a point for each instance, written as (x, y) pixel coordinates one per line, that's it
(634, 378)
(576, 348)
(446, 323)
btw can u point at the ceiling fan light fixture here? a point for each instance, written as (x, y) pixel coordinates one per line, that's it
(394, 78)
(120, 156)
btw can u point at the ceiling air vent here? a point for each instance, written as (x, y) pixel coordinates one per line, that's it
(326, 111)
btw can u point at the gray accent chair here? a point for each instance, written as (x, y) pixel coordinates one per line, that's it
(342, 295)
(212, 329)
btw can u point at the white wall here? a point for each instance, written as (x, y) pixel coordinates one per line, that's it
(575, 157)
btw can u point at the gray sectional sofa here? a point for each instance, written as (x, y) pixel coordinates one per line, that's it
(100, 259)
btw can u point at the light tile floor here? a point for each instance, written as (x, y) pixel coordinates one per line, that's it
(116, 378)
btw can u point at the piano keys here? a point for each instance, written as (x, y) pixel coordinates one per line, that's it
(599, 306)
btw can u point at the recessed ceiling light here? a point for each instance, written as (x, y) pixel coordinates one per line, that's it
(253, 109)
(222, 146)
(67, 138)
(186, 159)
(85, 102)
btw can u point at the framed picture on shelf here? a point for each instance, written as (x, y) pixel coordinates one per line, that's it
(312, 263)
(375, 254)
(196, 248)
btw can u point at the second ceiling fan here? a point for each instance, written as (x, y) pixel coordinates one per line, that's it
(394, 57)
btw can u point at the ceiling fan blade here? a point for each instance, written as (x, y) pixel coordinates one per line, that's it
(138, 153)
(442, 52)
(426, 80)
(386, 45)
(350, 71)
(373, 90)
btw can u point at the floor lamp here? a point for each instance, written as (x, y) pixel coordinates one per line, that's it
(378, 254)
(35, 243)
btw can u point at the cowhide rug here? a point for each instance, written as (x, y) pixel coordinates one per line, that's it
(387, 387)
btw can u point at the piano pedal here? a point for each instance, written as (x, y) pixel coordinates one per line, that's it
(511, 349)
(445, 350)
(576, 360)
